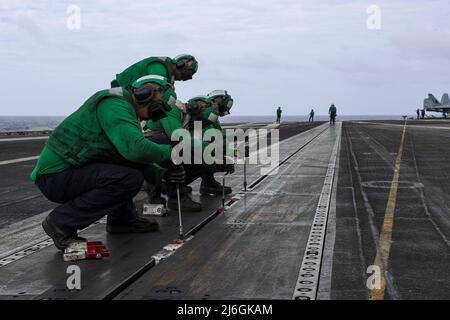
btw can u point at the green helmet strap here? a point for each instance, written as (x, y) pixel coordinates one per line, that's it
(169, 99)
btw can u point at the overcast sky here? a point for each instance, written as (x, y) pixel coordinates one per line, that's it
(293, 53)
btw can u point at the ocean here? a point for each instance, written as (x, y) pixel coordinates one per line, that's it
(35, 123)
(28, 123)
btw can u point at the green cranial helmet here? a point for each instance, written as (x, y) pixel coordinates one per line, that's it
(144, 94)
(197, 103)
(223, 100)
(180, 63)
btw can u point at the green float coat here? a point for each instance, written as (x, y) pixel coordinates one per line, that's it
(161, 66)
(169, 124)
(105, 129)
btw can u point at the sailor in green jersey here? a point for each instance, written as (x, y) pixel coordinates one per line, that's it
(221, 104)
(96, 160)
(311, 116)
(208, 113)
(279, 111)
(182, 117)
(160, 131)
(180, 68)
(332, 111)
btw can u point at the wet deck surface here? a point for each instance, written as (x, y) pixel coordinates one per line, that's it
(129, 253)
(255, 249)
(418, 266)
(389, 207)
(21, 199)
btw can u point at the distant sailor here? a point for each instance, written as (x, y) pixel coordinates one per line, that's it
(279, 115)
(332, 111)
(418, 113)
(311, 116)
(96, 161)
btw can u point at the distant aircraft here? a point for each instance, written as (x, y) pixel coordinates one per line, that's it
(432, 104)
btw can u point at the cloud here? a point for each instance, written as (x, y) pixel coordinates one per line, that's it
(289, 52)
(32, 28)
(423, 44)
(73, 49)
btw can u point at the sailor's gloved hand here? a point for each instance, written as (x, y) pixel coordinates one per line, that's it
(228, 168)
(228, 165)
(175, 175)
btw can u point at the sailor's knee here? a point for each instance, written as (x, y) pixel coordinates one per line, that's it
(134, 179)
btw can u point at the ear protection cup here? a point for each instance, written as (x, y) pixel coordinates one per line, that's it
(180, 64)
(182, 67)
(197, 103)
(192, 107)
(143, 93)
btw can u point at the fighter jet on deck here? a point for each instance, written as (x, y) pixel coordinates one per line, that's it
(432, 104)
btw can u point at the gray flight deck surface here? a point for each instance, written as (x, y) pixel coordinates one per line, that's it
(378, 191)
(43, 274)
(419, 262)
(253, 250)
(20, 199)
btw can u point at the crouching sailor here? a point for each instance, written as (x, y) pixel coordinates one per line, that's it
(96, 161)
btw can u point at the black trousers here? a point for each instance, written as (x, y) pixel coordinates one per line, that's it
(88, 193)
(332, 117)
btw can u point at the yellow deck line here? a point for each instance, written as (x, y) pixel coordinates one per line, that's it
(382, 258)
(398, 125)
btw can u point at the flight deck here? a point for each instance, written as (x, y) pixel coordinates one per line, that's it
(355, 210)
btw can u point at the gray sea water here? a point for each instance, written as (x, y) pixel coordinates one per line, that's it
(31, 123)
(28, 123)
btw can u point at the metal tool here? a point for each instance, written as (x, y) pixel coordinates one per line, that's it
(223, 190)
(179, 212)
(245, 173)
(246, 155)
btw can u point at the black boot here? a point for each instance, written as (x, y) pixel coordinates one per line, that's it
(187, 204)
(208, 187)
(154, 194)
(61, 240)
(157, 200)
(138, 225)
